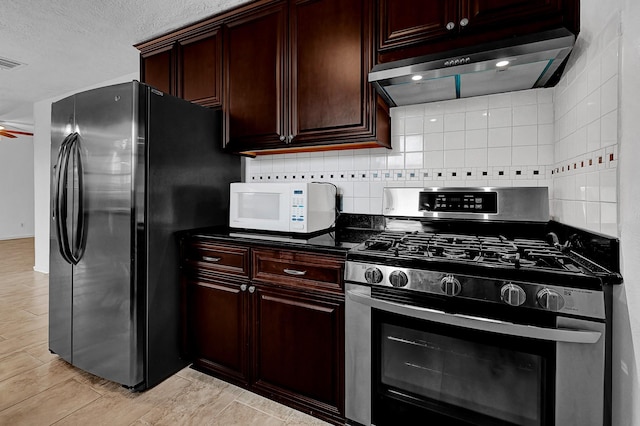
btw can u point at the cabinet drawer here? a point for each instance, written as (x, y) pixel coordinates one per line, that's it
(218, 257)
(298, 269)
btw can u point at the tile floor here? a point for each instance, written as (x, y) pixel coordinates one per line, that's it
(37, 388)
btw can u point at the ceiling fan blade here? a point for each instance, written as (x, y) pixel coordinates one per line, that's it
(17, 125)
(17, 132)
(6, 134)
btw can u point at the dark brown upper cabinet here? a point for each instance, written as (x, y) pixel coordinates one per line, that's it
(200, 68)
(156, 69)
(255, 73)
(290, 75)
(406, 22)
(408, 28)
(187, 64)
(295, 78)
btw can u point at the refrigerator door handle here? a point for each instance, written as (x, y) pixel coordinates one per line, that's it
(60, 198)
(79, 243)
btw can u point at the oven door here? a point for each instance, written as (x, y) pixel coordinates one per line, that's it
(475, 378)
(463, 370)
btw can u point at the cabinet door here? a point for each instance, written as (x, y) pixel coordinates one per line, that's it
(299, 348)
(495, 15)
(218, 326)
(331, 54)
(158, 70)
(200, 69)
(406, 22)
(254, 76)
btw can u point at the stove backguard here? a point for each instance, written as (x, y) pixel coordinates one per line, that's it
(530, 204)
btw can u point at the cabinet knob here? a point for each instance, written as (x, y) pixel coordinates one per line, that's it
(282, 138)
(290, 138)
(243, 287)
(464, 22)
(252, 289)
(451, 25)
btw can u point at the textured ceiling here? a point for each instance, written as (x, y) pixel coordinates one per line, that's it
(71, 44)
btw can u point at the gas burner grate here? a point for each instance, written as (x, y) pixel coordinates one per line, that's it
(497, 250)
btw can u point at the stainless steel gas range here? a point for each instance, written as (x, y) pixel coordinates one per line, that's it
(467, 310)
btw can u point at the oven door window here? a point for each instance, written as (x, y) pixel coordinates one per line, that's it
(459, 376)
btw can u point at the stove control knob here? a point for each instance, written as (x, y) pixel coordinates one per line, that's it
(450, 285)
(550, 300)
(398, 279)
(512, 294)
(373, 275)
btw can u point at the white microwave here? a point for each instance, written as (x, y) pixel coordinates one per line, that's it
(300, 208)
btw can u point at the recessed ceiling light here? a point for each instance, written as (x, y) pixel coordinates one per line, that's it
(502, 64)
(416, 77)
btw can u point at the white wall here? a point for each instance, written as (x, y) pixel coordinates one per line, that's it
(627, 297)
(16, 187)
(41, 169)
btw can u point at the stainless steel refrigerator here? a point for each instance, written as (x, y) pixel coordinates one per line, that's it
(130, 167)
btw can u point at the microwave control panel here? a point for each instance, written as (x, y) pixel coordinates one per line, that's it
(298, 203)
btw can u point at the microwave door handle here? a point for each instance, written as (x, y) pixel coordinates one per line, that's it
(565, 335)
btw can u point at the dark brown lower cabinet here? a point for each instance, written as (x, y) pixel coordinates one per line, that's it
(218, 327)
(298, 348)
(279, 337)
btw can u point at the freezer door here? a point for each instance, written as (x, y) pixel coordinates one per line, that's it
(60, 270)
(106, 326)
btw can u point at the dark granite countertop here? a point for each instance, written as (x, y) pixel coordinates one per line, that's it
(350, 231)
(323, 243)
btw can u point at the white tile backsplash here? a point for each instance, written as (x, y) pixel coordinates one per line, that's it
(586, 104)
(500, 117)
(525, 115)
(525, 135)
(454, 140)
(433, 124)
(454, 122)
(499, 137)
(454, 158)
(435, 141)
(413, 143)
(476, 139)
(476, 119)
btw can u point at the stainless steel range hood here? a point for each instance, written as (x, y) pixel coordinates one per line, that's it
(514, 64)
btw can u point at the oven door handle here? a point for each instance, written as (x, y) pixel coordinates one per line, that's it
(565, 335)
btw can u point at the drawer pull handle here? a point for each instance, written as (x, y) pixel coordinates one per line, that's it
(294, 272)
(211, 259)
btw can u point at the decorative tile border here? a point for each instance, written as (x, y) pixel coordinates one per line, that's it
(605, 158)
(506, 174)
